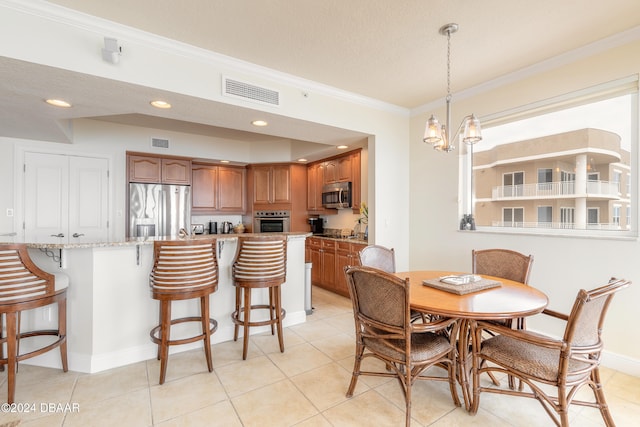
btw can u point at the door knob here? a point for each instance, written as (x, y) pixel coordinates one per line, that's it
(57, 235)
(77, 235)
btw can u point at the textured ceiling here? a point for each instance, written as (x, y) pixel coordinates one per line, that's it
(389, 50)
(384, 49)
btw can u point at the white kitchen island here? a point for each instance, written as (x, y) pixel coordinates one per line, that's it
(110, 311)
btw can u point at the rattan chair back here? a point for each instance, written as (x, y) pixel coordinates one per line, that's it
(380, 257)
(505, 263)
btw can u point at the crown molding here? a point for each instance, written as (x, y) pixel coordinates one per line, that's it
(616, 40)
(93, 24)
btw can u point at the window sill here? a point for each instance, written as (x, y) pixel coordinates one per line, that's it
(574, 234)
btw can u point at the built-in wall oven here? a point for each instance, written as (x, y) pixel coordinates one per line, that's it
(271, 221)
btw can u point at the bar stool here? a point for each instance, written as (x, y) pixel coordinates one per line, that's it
(23, 286)
(260, 263)
(183, 269)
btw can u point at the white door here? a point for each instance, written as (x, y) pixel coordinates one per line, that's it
(65, 198)
(46, 198)
(88, 200)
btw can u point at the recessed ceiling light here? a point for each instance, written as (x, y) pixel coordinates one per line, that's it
(58, 103)
(259, 123)
(224, 161)
(160, 104)
(302, 160)
(342, 147)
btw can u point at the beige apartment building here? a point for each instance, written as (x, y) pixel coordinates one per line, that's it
(578, 179)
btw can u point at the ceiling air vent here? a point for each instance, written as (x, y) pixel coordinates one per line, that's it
(159, 143)
(243, 90)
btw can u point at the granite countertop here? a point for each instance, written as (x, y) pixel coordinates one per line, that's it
(352, 239)
(149, 240)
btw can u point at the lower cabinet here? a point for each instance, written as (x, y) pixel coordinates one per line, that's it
(329, 258)
(346, 254)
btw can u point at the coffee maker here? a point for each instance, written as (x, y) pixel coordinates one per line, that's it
(316, 225)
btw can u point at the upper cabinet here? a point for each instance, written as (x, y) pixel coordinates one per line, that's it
(218, 189)
(271, 184)
(338, 170)
(159, 170)
(278, 186)
(315, 180)
(344, 168)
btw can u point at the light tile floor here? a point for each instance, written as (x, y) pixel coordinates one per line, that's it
(304, 386)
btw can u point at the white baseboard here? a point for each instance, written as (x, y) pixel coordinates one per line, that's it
(621, 363)
(101, 362)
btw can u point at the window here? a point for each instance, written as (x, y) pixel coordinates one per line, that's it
(577, 147)
(567, 179)
(513, 217)
(512, 184)
(545, 179)
(545, 215)
(615, 218)
(593, 216)
(617, 178)
(566, 217)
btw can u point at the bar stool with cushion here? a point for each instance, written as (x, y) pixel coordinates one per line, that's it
(23, 286)
(183, 269)
(260, 263)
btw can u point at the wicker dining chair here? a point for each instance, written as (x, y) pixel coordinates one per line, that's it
(507, 264)
(384, 331)
(384, 259)
(379, 257)
(540, 361)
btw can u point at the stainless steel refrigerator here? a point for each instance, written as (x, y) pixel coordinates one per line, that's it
(158, 209)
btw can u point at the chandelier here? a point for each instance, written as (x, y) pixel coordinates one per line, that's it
(440, 135)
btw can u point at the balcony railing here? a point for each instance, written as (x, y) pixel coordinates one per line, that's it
(556, 190)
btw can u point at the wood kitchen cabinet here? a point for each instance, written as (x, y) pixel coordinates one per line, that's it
(315, 181)
(329, 257)
(323, 257)
(344, 168)
(278, 186)
(338, 170)
(271, 184)
(158, 170)
(218, 189)
(346, 254)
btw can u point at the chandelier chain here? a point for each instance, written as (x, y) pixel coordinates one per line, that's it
(449, 65)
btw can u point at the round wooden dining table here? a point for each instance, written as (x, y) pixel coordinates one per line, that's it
(510, 300)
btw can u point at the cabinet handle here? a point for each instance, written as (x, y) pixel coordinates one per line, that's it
(77, 235)
(57, 235)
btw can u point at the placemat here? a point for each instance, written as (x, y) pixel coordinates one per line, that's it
(466, 288)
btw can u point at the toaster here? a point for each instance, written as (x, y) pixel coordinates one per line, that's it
(197, 228)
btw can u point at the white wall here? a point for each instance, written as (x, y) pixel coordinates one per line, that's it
(562, 265)
(69, 41)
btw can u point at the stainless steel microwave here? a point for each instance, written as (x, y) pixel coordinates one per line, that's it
(336, 195)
